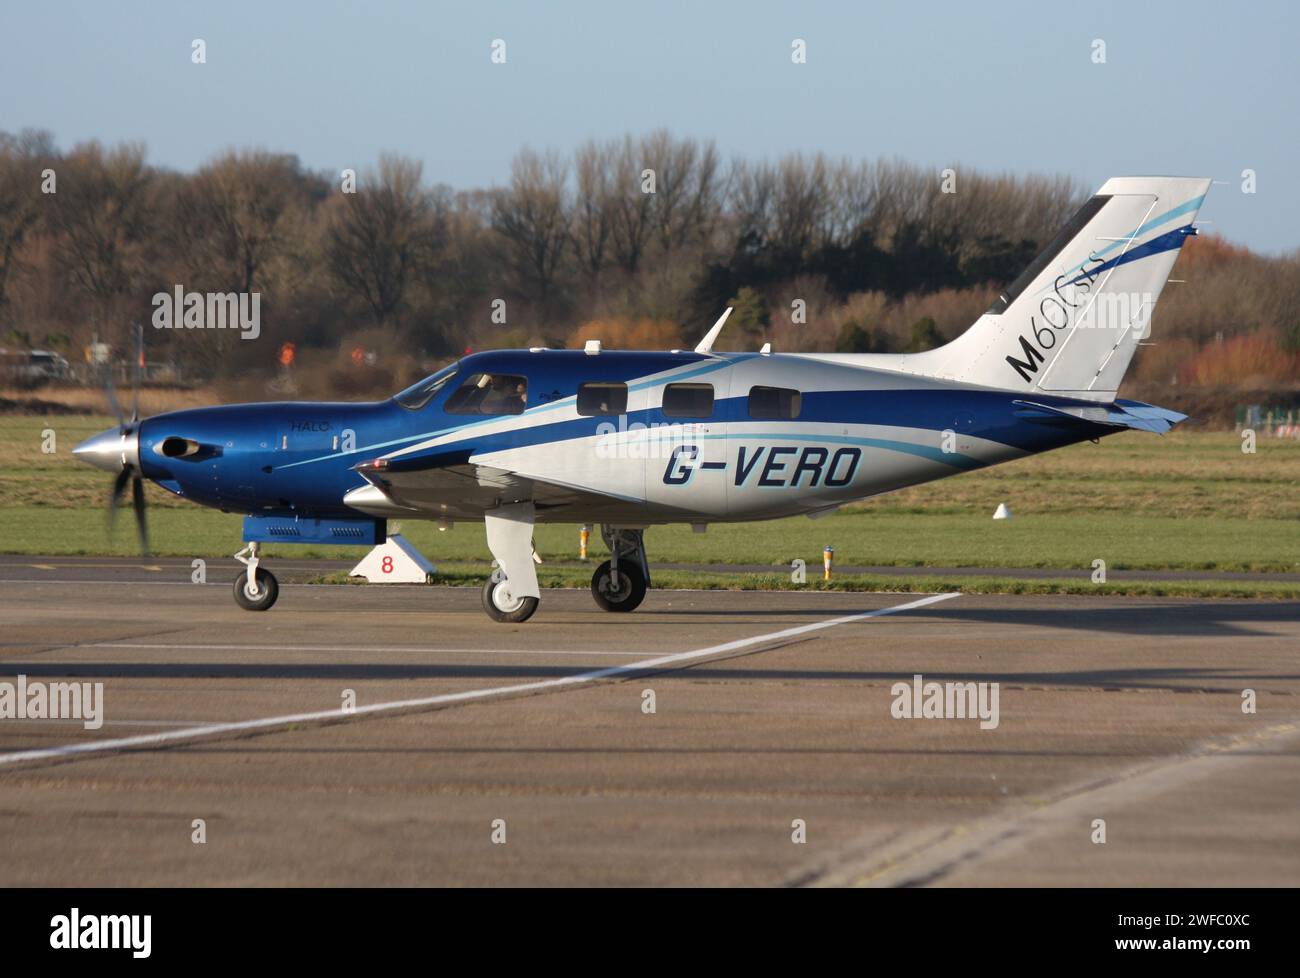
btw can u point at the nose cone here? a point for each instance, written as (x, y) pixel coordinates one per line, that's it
(111, 450)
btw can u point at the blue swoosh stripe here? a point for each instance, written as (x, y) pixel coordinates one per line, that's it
(530, 413)
(1168, 241)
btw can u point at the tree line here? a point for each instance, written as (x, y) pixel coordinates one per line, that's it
(642, 239)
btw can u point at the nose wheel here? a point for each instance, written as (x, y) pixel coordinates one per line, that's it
(255, 587)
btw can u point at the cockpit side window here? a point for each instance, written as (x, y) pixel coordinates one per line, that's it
(419, 394)
(489, 394)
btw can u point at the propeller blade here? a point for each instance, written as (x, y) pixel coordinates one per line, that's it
(138, 374)
(111, 395)
(119, 484)
(137, 503)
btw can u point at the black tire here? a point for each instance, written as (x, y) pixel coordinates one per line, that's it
(625, 595)
(521, 610)
(268, 589)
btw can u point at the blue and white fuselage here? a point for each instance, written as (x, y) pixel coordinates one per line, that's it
(853, 433)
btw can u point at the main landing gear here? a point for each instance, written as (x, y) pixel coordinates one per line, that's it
(502, 604)
(511, 594)
(620, 583)
(255, 588)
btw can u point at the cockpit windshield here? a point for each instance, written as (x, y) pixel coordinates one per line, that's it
(419, 394)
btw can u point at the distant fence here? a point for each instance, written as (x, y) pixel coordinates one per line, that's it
(28, 370)
(1280, 422)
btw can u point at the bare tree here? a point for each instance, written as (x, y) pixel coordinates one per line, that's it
(238, 214)
(688, 183)
(379, 237)
(752, 202)
(633, 208)
(21, 159)
(854, 202)
(100, 217)
(593, 211)
(802, 205)
(532, 216)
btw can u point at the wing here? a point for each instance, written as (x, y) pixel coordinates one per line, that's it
(453, 487)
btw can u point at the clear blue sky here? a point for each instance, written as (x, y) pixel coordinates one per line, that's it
(1188, 88)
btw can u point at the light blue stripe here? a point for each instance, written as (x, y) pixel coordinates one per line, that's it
(1155, 222)
(698, 371)
(955, 459)
(358, 451)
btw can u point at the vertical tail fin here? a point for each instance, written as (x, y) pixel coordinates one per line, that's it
(1071, 322)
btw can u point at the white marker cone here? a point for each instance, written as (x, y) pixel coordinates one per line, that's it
(395, 561)
(1002, 513)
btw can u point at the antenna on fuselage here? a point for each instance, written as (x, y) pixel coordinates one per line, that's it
(706, 344)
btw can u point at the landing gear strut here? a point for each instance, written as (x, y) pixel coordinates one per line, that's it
(511, 594)
(255, 588)
(620, 583)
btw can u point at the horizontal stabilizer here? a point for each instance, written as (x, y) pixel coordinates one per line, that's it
(1121, 414)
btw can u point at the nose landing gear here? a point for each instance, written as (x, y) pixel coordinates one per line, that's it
(256, 588)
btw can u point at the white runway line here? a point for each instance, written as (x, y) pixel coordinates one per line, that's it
(77, 582)
(74, 582)
(672, 659)
(38, 721)
(70, 583)
(335, 648)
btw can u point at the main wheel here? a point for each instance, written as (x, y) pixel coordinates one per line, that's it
(268, 589)
(501, 605)
(621, 592)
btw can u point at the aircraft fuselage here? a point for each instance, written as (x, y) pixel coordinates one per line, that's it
(723, 452)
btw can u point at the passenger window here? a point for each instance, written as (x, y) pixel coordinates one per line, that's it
(599, 399)
(489, 394)
(774, 403)
(688, 400)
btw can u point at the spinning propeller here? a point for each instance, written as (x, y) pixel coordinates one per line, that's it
(118, 449)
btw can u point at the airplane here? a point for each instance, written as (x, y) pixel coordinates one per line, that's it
(634, 439)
